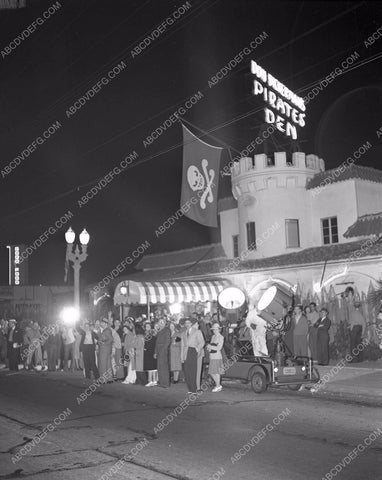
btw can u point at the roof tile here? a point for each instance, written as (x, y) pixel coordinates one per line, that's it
(370, 224)
(351, 172)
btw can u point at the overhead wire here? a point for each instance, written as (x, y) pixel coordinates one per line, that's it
(207, 88)
(136, 164)
(167, 150)
(91, 78)
(67, 25)
(229, 76)
(144, 160)
(101, 70)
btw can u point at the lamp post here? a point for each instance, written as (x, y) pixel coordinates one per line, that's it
(77, 257)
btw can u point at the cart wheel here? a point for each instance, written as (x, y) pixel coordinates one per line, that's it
(294, 388)
(258, 382)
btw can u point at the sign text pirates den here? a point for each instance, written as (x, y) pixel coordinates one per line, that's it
(285, 113)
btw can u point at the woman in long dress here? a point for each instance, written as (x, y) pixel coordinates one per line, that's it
(117, 363)
(149, 361)
(105, 343)
(175, 353)
(129, 352)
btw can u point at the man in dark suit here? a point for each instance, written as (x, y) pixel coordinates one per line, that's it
(14, 342)
(191, 348)
(87, 347)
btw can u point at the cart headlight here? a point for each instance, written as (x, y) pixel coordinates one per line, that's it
(303, 369)
(276, 369)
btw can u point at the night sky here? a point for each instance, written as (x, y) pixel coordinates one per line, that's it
(63, 58)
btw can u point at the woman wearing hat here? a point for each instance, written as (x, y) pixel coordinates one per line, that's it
(216, 367)
(149, 361)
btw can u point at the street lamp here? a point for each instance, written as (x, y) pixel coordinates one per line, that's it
(77, 257)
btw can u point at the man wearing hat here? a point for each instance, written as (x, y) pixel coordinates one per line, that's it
(105, 345)
(162, 352)
(14, 342)
(322, 325)
(191, 348)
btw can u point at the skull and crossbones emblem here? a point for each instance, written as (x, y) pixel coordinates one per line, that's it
(197, 181)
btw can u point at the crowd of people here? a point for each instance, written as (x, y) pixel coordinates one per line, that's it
(309, 333)
(135, 351)
(161, 351)
(306, 330)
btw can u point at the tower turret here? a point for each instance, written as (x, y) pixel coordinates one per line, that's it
(271, 190)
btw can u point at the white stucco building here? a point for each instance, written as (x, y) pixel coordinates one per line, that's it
(289, 200)
(287, 219)
(286, 222)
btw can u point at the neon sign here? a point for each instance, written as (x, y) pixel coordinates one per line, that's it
(18, 266)
(289, 109)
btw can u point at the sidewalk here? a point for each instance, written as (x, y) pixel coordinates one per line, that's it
(357, 380)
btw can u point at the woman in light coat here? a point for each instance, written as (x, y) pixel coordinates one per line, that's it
(216, 367)
(175, 353)
(139, 346)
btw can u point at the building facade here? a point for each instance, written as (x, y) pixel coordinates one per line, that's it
(282, 205)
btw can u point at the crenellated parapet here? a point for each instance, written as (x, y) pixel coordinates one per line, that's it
(279, 170)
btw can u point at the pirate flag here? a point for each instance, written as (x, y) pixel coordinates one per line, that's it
(200, 179)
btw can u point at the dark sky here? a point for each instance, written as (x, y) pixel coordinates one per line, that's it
(83, 40)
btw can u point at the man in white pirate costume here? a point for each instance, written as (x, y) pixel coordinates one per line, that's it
(258, 330)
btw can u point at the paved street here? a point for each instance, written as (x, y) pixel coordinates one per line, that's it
(313, 434)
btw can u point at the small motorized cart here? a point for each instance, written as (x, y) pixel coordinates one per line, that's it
(279, 371)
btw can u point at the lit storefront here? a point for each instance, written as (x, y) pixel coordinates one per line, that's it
(176, 297)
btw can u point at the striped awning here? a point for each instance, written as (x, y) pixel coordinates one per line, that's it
(131, 292)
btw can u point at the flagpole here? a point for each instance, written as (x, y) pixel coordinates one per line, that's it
(212, 136)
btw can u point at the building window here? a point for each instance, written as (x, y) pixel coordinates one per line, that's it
(235, 244)
(251, 236)
(329, 230)
(292, 233)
